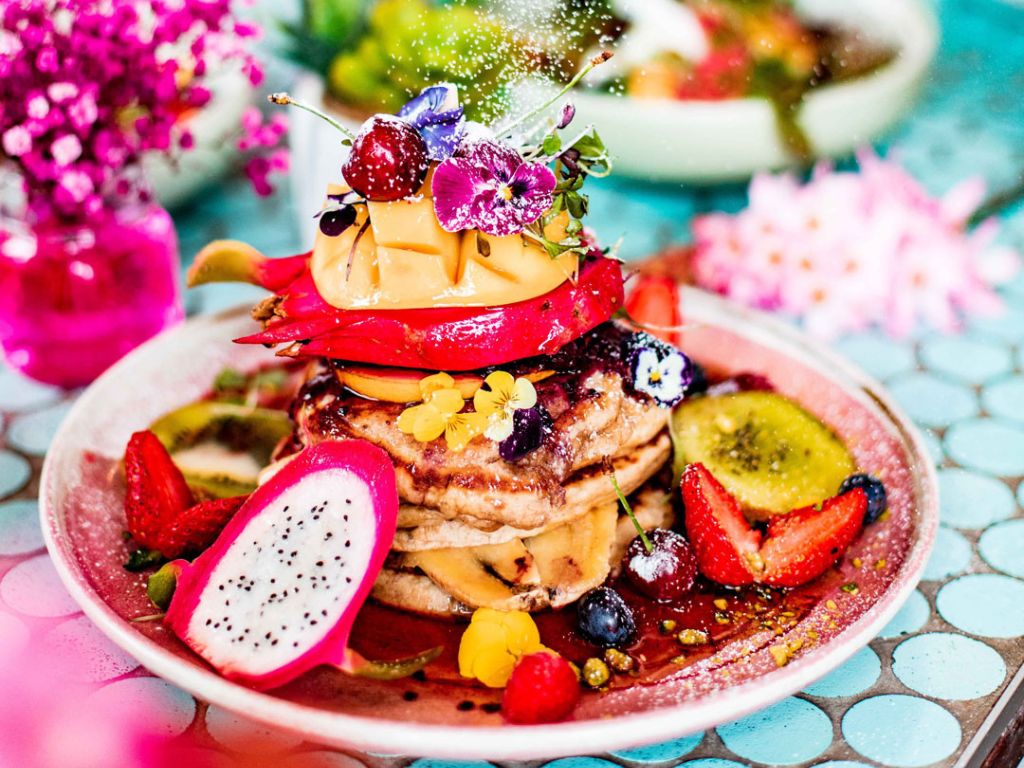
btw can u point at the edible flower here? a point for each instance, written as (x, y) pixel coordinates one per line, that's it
(438, 118)
(493, 642)
(660, 371)
(503, 396)
(488, 186)
(440, 414)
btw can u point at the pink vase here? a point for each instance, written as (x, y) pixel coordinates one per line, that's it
(74, 298)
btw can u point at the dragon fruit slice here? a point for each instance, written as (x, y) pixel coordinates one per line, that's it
(232, 261)
(279, 590)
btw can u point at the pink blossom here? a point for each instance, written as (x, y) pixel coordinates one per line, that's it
(66, 149)
(848, 250)
(37, 106)
(17, 141)
(73, 187)
(86, 67)
(83, 112)
(61, 92)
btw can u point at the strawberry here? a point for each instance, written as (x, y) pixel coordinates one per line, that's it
(802, 545)
(724, 73)
(726, 546)
(194, 529)
(157, 491)
(543, 689)
(654, 304)
(798, 547)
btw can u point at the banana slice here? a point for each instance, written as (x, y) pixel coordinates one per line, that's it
(553, 568)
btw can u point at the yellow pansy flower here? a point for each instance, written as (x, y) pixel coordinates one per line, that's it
(505, 395)
(439, 414)
(493, 642)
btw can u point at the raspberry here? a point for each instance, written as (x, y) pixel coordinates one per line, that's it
(543, 689)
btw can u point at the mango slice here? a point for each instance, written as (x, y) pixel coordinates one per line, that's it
(405, 260)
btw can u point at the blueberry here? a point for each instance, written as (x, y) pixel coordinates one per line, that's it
(334, 222)
(875, 492)
(698, 381)
(604, 619)
(530, 428)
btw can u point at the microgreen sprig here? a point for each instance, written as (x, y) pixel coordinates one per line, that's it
(629, 511)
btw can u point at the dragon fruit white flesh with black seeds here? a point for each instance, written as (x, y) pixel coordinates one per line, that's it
(278, 592)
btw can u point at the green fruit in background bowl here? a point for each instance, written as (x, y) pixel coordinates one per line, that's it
(407, 45)
(766, 450)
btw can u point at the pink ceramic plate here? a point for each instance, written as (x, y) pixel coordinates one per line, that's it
(82, 518)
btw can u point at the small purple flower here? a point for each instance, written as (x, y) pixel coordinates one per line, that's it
(438, 118)
(531, 427)
(566, 116)
(488, 186)
(658, 370)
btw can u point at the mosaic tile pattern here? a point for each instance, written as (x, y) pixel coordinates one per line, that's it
(916, 695)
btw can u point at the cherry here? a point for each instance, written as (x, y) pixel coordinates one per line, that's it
(388, 160)
(667, 571)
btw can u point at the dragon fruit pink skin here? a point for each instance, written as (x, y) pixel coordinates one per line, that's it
(277, 593)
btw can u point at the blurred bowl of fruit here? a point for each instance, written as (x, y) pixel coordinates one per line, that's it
(721, 89)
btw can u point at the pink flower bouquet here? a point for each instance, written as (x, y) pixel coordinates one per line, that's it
(849, 250)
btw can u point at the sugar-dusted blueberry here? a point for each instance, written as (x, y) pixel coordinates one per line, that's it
(604, 619)
(875, 491)
(530, 428)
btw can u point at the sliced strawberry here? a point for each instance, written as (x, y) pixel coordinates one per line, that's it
(805, 543)
(726, 546)
(195, 529)
(157, 491)
(654, 305)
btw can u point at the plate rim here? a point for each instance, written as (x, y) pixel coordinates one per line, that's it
(548, 741)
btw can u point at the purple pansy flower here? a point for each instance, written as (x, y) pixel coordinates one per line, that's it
(488, 186)
(438, 118)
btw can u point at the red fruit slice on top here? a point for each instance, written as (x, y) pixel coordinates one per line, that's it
(194, 529)
(727, 547)
(157, 491)
(803, 545)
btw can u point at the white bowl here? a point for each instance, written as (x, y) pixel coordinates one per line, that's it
(712, 141)
(82, 523)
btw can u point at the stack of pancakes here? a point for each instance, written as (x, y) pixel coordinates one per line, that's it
(475, 530)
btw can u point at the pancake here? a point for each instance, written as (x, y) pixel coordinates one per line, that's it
(422, 528)
(549, 570)
(596, 416)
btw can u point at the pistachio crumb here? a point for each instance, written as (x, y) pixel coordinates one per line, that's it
(850, 588)
(781, 655)
(723, 617)
(831, 605)
(595, 672)
(667, 626)
(619, 661)
(692, 637)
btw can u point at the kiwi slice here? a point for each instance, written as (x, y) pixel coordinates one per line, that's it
(221, 447)
(770, 453)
